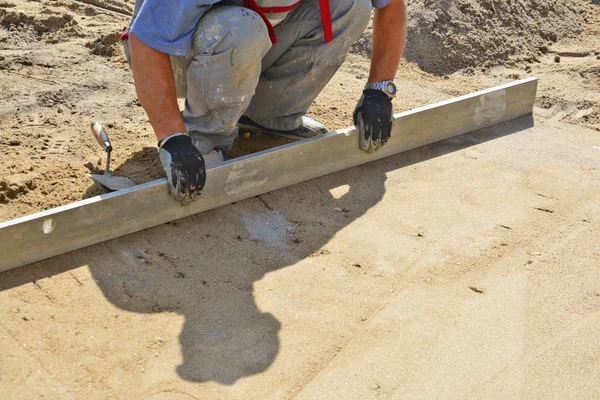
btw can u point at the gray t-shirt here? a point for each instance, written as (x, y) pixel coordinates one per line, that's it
(168, 26)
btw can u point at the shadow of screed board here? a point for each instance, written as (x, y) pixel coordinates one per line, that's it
(84, 223)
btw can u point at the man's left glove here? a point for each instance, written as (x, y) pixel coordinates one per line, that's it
(374, 118)
(184, 165)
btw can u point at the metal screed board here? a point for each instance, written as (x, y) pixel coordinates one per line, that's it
(97, 219)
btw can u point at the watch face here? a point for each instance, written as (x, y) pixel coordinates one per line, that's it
(391, 88)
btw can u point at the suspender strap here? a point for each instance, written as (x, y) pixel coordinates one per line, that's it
(326, 18)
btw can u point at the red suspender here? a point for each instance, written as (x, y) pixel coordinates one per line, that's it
(325, 17)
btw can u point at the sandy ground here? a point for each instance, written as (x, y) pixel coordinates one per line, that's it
(464, 269)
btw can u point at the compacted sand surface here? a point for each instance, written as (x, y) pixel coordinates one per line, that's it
(464, 269)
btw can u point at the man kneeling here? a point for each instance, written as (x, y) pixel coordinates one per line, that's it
(257, 65)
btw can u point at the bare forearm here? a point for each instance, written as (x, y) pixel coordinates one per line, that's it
(155, 88)
(389, 34)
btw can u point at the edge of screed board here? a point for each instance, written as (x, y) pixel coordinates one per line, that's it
(63, 229)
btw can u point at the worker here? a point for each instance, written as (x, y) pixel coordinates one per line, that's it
(254, 64)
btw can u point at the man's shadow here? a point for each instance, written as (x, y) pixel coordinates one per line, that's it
(204, 266)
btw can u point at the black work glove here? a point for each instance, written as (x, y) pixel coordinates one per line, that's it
(184, 165)
(373, 116)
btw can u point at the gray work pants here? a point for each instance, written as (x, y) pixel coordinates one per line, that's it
(233, 69)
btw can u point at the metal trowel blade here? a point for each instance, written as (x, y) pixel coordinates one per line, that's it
(112, 182)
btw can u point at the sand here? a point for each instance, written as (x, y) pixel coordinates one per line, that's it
(465, 269)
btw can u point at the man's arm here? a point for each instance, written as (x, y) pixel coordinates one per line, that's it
(155, 88)
(374, 114)
(389, 35)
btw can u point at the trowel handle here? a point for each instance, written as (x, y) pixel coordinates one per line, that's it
(101, 136)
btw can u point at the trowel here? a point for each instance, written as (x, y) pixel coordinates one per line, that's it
(107, 179)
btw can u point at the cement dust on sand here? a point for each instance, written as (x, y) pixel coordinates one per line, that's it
(464, 269)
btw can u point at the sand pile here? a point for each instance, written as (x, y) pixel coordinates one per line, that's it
(119, 6)
(447, 35)
(51, 27)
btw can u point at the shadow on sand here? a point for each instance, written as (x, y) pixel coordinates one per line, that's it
(203, 267)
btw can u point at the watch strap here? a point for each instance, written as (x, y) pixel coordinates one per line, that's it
(383, 87)
(376, 85)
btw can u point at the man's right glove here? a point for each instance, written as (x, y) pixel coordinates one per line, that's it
(184, 165)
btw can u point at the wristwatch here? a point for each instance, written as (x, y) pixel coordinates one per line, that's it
(386, 87)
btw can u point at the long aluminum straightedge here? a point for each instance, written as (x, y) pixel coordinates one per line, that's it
(49, 233)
